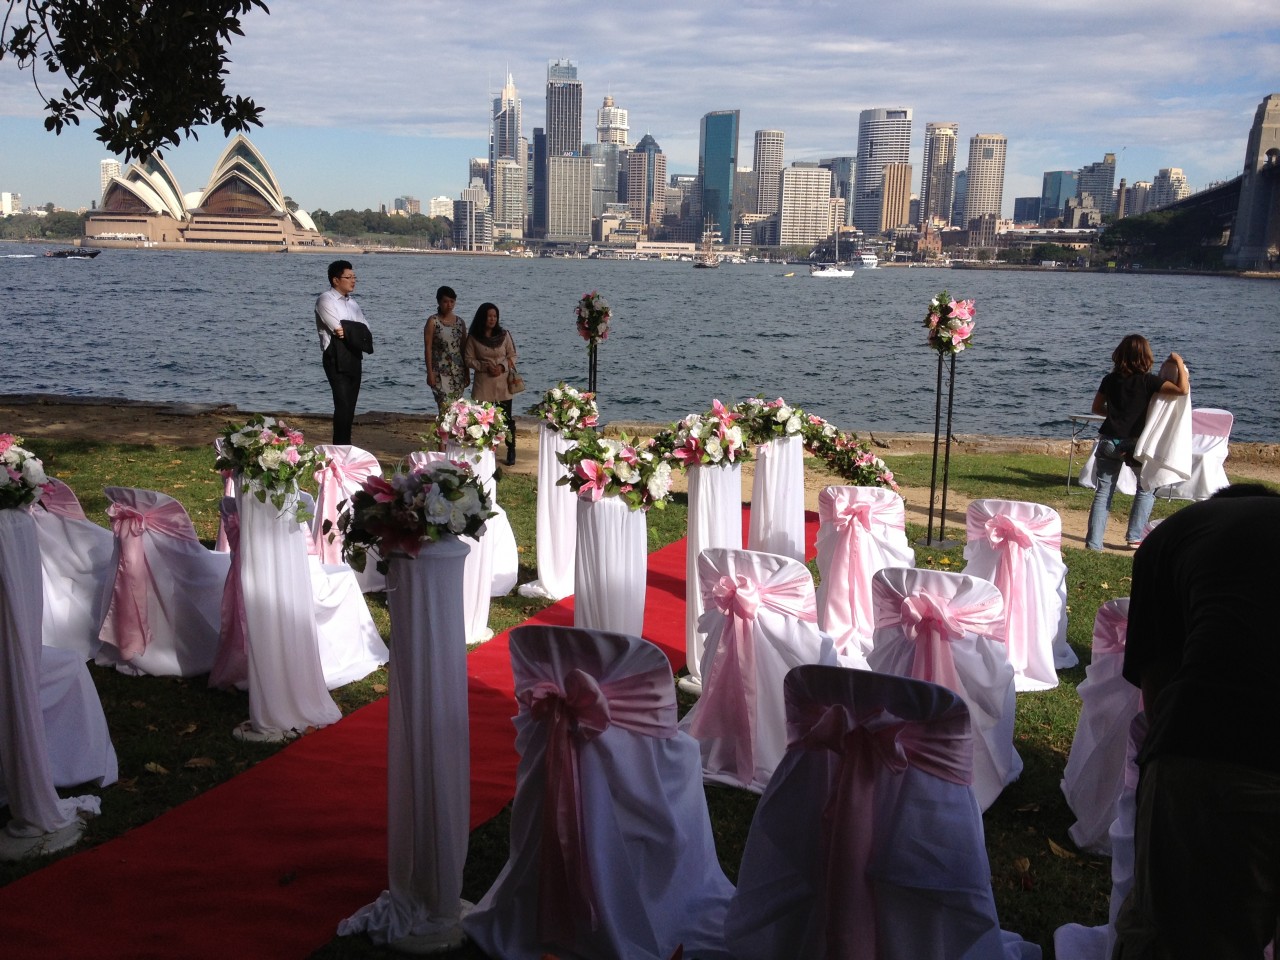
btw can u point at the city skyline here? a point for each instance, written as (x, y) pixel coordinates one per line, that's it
(404, 96)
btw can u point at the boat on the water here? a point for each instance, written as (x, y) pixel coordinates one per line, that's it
(867, 259)
(706, 258)
(76, 253)
(836, 269)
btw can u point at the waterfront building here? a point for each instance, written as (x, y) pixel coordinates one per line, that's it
(611, 124)
(472, 224)
(843, 171)
(10, 203)
(505, 129)
(1099, 181)
(804, 204)
(406, 206)
(745, 191)
(717, 166)
(937, 179)
(564, 109)
(984, 192)
(1057, 187)
(569, 199)
(107, 171)
(884, 136)
(1026, 209)
(1139, 199)
(958, 194)
(768, 169)
(538, 204)
(1169, 186)
(647, 183)
(895, 197)
(508, 199)
(1255, 238)
(478, 169)
(440, 207)
(606, 174)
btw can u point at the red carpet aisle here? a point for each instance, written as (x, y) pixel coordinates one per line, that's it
(266, 865)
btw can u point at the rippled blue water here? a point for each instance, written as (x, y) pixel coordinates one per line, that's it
(216, 328)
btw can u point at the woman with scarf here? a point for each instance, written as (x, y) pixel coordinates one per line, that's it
(491, 353)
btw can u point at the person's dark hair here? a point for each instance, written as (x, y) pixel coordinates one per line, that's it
(442, 292)
(1132, 356)
(477, 324)
(1244, 490)
(336, 268)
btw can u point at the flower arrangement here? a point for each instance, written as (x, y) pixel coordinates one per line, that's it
(764, 420)
(399, 513)
(472, 424)
(565, 408)
(593, 318)
(950, 323)
(711, 438)
(269, 455)
(22, 481)
(601, 467)
(845, 455)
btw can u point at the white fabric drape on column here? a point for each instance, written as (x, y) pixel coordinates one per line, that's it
(499, 539)
(286, 683)
(612, 562)
(428, 754)
(777, 498)
(24, 753)
(557, 521)
(715, 520)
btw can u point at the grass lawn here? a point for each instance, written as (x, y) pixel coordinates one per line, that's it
(173, 736)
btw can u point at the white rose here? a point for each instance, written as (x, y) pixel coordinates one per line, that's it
(557, 393)
(469, 499)
(271, 458)
(659, 481)
(435, 507)
(33, 472)
(571, 414)
(476, 431)
(733, 436)
(611, 448)
(793, 424)
(715, 450)
(626, 472)
(243, 438)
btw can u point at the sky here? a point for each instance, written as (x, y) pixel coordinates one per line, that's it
(368, 102)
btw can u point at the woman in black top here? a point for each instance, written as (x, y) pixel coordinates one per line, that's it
(1123, 397)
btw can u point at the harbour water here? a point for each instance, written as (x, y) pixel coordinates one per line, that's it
(238, 328)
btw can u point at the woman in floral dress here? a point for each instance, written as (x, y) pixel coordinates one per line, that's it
(444, 340)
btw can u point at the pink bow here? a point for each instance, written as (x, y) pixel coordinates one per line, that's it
(231, 665)
(1110, 627)
(726, 709)
(879, 741)
(345, 468)
(847, 608)
(60, 501)
(126, 626)
(576, 713)
(928, 622)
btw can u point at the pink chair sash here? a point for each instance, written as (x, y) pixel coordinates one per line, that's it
(1110, 628)
(60, 500)
(231, 665)
(942, 748)
(729, 689)
(126, 626)
(1208, 422)
(345, 468)
(848, 596)
(576, 713)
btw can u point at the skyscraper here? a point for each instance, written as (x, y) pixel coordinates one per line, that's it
(508, 198)
(843, 172)
(1169, 186)
(1059, 186)
(1098, 180)
(569, 199)
(937, 180)
(895, 196)
(564, 109)
(647, 183)
(507, 144)
(107, 169)
(960, 191)
(985, 189)
(804, 209)
(504, 131)
(768, 167)
(717, 162)
(884, 136)
(611, 124)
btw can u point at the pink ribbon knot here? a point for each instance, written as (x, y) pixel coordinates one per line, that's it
(1110, 628)
(851, 515)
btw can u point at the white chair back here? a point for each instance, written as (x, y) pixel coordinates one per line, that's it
(75, 558)
(944, 628)
(1210, 444)
(1018, 547)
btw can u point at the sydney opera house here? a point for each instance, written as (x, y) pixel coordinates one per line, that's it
(242, 208)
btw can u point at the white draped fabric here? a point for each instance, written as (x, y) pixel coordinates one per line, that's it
(777, 498)
(286, 682)
(1210, 433)
(557, 521)
(345, 469)
(1126, 483)
(861, 530)
(428, 755)
(228, 490)
(610, 566)
(1018, 547)
(40, 819)
(499, 540)
(75, 557)
(1164, 448)
(1094, 774)
(715, 520)
(612, 856)
(868, 843)
(760, 621)
(942, 627)
(1074, 941)
(165, 591)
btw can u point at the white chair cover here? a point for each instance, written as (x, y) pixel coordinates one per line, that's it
(228, 490)
(943, 628)
(760, 621)
(861, 530)
(715, 520)
(428, 752)
(166, 589)
(1073, 941)
(1126, 483)
(610, 566)
(75, 556)
(868, 843)
(1094, 774)
(25, 756)
(499, 539)
(612, 856)
(1164, 448)
(1018, 547)
(557, 521)
(1210, 433)
(286, 683)
(777, 498)
(338, 479)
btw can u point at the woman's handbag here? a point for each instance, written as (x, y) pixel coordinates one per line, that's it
(515, 382)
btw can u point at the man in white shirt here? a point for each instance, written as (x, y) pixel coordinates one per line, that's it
(344, 338)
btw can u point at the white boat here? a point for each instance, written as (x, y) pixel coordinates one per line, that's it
(868, 260)
(836, 269)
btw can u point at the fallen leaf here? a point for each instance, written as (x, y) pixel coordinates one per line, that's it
(1104, 585)
(128, 784)
(1062, 852)
(189, 729)
(153, 767)
(200, 763)
(379, 688)
(946, 561)
(1022, 865)
(152, 728)
(138, 704)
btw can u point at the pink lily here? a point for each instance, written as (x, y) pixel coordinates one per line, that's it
(595, 477)
(961, 309)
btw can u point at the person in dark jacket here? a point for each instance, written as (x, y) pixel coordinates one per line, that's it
(344, 338)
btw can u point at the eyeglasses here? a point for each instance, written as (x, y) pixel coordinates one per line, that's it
(345, 276)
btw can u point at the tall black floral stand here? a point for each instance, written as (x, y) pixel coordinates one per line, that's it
(591, 365)
(944, 441)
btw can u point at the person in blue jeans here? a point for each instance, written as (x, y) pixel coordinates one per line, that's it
(1123, 397)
